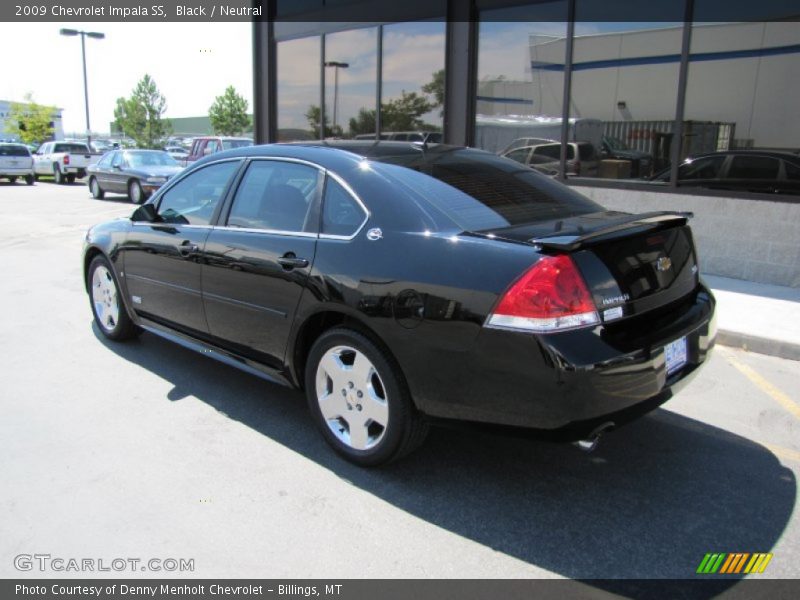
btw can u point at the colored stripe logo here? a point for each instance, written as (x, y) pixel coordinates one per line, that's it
(734, 562)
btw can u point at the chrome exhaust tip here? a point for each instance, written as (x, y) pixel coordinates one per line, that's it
(593, 439)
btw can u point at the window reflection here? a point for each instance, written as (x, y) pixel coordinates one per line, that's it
(298, 88)
(521, 57)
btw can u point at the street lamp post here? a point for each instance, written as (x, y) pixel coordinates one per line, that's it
(83, 34)
(336, 65)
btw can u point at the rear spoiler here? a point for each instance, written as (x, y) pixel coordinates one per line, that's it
(571, 242)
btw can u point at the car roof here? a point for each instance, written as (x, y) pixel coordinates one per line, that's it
(765, 153)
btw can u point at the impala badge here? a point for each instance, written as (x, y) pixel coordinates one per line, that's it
(663, 264)
(374, 234)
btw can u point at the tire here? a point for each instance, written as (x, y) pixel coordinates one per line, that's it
(70, 178)
(95, 189)
(58, 176)
(12, 180)
(359, 399)
(106, 301)
(30, 179)
(135, 192)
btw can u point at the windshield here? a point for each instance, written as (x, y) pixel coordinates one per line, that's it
(479, 191)
(229, 144)
(151, 159)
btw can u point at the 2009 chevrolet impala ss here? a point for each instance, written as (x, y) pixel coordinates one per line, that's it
(399, 284)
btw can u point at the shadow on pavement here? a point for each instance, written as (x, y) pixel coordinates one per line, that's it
(649, 503)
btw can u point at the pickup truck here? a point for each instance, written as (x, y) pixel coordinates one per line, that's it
(203, 146)
(64, 161)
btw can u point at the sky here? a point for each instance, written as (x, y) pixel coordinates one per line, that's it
(191, 63)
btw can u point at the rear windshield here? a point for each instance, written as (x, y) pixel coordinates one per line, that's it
(478, 191)
(230, 144)
(77, 148)
(14, 150)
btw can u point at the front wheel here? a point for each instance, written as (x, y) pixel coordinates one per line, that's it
(95, 189)
(359, 399)
(106, 300)
(135, 192)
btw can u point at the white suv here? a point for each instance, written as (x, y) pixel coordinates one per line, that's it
(16, 161)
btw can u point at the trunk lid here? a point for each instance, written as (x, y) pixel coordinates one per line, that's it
(631, 263)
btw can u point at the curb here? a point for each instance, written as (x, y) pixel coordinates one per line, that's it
(760, 345)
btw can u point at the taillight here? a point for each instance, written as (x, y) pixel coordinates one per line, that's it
(550, 296)
(66, 159)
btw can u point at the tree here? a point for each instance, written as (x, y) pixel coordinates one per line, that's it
(435, 87)
(140, 116)
(400, 114)
(313, 115)
(32, 122)
(228, 114)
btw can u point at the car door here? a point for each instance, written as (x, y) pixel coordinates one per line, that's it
(101, 170)
(117, 178)
(162, 259)
(753, 173)
(258, 260)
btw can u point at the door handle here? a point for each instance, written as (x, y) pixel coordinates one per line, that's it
(187, 249)
(289, 261)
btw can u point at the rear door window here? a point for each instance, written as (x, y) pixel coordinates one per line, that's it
(342, 215)
(276, 196)
(702, 168)
(792, 171)
(551, 150)
(754, 167)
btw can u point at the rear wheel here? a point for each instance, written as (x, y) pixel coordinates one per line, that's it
(109, 312)
(135, 192)
(12, 180)
(58, 176)
(358, 398)
(95, 189)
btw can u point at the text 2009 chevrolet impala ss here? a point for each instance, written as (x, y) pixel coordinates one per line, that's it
(401, 283)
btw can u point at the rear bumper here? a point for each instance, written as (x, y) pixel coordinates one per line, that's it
(569, 383)
(15, 172)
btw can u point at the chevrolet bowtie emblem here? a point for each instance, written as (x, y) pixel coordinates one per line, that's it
(663, 264)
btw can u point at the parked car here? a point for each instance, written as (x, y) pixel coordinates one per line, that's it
(203, 146)
(137, 173)
(64, 161)
(526, 156)
(430, 137)
(740, 170)
(177, 152)
(16, 162)
(400, 286)
(525, 141)
(582, 159)
(615, 149)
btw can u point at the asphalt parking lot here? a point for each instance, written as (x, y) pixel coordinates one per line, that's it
(148, 450)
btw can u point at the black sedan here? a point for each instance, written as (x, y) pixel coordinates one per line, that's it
(137, 173)
(401, 284)
(758, 171)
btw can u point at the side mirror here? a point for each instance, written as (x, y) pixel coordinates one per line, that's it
(146, 213)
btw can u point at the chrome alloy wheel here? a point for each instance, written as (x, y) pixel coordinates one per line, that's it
(104, 297)
(352, 398)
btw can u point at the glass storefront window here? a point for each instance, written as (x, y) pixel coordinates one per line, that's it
(298, 89)
(351, 62)
(412, 88)
(521, 57)
(624, 96)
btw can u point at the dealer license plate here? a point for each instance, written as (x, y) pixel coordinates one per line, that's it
(675, 354)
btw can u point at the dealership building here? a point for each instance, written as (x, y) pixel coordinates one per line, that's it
(671, 80)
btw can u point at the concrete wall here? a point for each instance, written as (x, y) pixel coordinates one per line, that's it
(754, 240)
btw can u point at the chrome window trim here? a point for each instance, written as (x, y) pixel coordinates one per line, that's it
(304, 234)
